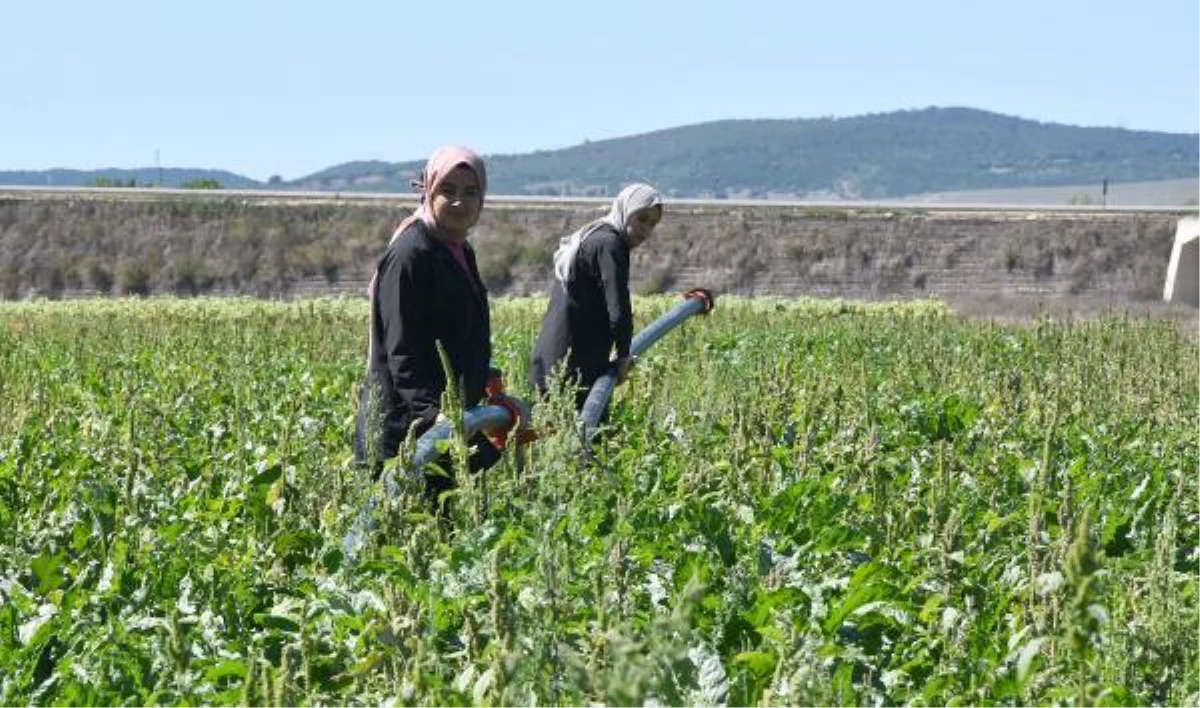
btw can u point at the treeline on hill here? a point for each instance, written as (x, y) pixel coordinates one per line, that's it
(877, 156)
(198, 183)
(870, 157)
(170, 177)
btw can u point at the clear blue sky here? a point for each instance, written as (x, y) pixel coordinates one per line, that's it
(272, 87)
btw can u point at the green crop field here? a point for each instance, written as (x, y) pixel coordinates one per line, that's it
(799, 502)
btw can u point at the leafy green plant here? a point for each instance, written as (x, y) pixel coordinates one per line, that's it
(798, 502)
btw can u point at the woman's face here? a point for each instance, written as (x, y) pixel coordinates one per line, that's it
(457, 202)
(641, 224)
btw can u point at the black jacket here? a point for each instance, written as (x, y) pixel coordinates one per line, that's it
(591, 320)
(422, 296)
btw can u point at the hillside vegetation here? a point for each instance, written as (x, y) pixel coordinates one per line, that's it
(138, 177)
(875, 156)
(870, 157)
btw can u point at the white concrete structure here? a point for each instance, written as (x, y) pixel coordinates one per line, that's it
(1183, 271)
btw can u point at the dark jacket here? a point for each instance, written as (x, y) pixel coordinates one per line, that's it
(422, 296)
(591, 321)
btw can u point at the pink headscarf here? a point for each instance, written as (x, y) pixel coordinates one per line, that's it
(440, 163)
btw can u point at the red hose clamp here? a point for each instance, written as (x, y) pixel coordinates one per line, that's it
(524, 434)
(710, 300)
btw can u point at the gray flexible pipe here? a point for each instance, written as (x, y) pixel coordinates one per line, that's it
(474, 420)
(698, 301)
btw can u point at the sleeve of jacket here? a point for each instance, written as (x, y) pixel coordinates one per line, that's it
(614, 274)
(404, 308)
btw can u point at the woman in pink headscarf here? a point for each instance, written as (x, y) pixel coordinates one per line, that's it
(426, 289)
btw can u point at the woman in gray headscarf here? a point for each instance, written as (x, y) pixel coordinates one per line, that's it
(589, 317)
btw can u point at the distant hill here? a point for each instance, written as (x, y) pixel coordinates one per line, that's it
(141, 177)
(877, 156)
(867, 157)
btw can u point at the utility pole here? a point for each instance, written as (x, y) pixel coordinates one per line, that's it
(158, 168)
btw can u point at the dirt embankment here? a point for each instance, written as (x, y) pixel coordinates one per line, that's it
(70, 245)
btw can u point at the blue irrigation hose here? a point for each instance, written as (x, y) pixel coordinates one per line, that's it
(474, 420)
(698, 301)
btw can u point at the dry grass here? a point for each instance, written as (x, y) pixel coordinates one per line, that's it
(984, 262)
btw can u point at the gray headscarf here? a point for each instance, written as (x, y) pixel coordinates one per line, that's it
(633, 198)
